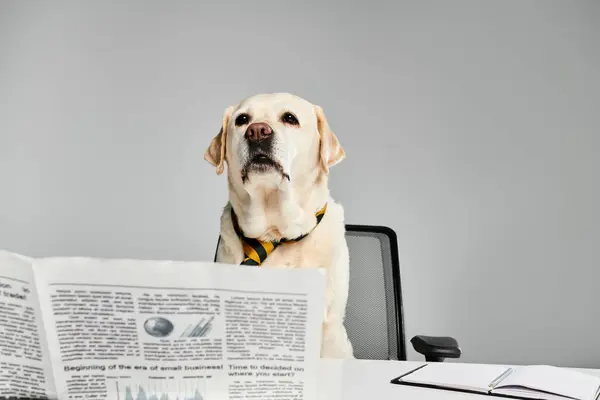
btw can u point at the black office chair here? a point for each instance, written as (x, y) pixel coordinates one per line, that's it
(374, 319)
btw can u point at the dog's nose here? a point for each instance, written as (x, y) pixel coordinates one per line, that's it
(258, 131)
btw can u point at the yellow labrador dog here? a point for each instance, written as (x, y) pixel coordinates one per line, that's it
(278, 149)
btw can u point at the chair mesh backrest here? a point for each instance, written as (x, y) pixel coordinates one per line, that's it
(374, 312)
(374, 319)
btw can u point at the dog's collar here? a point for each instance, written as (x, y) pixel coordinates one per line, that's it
(255, 251)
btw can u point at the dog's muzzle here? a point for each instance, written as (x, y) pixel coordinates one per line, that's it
(259, 138)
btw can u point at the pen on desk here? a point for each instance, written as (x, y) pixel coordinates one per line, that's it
(500, 378)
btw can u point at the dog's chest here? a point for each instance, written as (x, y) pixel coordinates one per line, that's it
(303, 254)
(322, 248)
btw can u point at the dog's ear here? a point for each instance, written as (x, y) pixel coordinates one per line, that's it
(215, 153)
(331, 151)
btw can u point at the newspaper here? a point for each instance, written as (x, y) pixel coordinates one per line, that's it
(81, 328)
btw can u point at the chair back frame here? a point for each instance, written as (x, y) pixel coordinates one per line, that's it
(395, 325)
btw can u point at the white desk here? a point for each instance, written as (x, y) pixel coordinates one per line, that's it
(370, 380)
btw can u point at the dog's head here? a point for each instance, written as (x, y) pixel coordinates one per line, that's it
(273, 137)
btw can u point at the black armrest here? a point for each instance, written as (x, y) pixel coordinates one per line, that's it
(436, 348)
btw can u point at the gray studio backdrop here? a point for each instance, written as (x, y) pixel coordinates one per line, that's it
(471, 128)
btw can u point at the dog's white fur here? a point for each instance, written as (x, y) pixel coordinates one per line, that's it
(270, 207)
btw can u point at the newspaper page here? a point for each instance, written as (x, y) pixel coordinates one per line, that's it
(146, 330)
(25, 370)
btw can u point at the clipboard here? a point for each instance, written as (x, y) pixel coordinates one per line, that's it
(489, 392)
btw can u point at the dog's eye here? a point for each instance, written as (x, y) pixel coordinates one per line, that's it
(289, 118)
(242, 119)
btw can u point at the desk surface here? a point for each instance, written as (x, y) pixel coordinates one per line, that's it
(361, 379)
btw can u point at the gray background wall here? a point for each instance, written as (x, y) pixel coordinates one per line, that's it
(471, 128)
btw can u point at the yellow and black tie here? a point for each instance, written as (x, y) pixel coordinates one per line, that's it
(255, 251)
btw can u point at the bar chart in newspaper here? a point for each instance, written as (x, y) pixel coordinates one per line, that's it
(186, 389)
